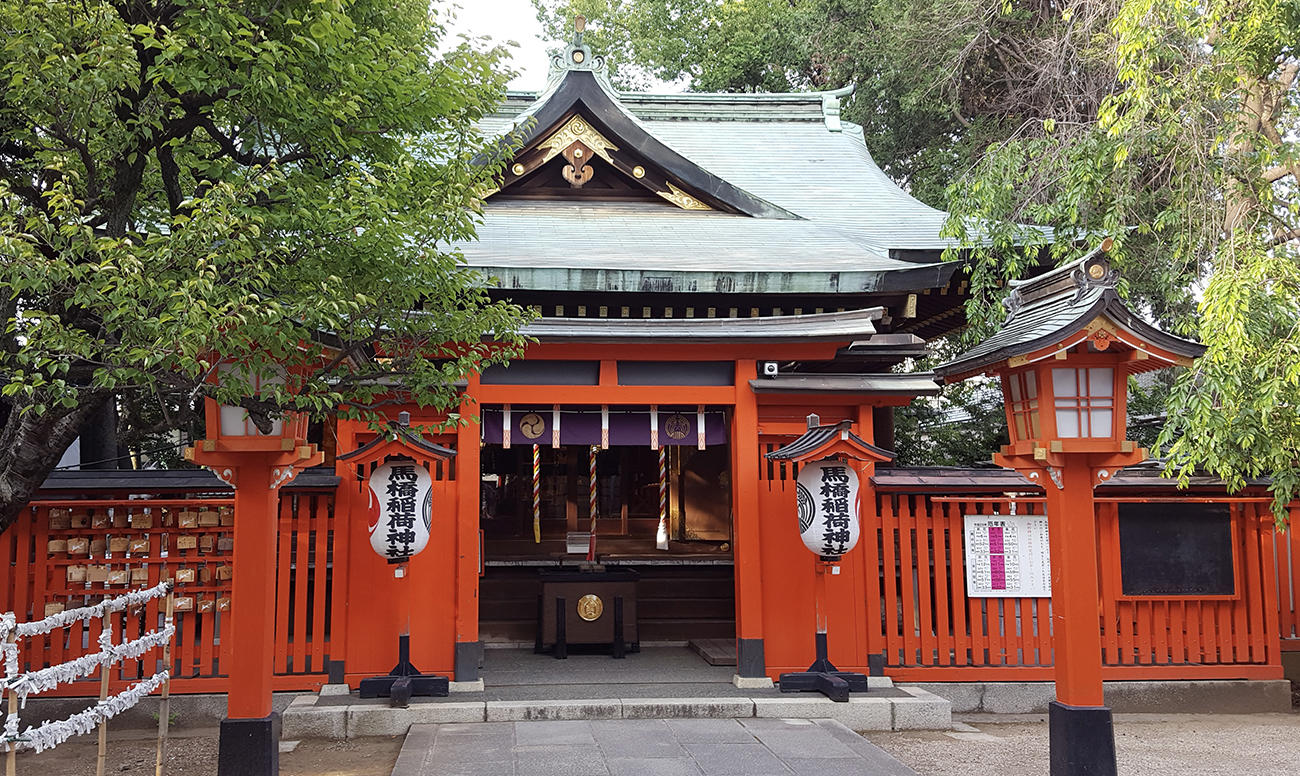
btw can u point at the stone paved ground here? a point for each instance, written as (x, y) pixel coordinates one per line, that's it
(675, 747)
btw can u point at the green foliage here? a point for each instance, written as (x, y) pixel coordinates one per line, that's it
(937, 82)
(1191, 165)
(273, 183)
(961, 427)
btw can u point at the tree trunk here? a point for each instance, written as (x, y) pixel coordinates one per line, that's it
(31, 446)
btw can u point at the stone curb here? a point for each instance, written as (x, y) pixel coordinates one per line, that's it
(920, 710)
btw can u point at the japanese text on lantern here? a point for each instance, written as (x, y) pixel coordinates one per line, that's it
(402, 490)
(400, 509)
(834, 495)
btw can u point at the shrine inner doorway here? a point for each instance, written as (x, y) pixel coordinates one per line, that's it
(682, 552)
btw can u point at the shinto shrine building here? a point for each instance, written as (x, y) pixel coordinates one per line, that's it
(710, 270)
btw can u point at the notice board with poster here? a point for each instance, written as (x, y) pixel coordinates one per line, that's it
(1175, 550)
(1007, 556)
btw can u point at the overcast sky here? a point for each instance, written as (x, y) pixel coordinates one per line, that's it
(504, 20)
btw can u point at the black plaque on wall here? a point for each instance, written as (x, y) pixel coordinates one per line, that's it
(1176, 550)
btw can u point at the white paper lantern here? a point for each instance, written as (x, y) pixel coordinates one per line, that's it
(401, 509)
(828, 507)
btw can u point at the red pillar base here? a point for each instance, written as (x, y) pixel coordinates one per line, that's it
(1082, 740)
(249, 747)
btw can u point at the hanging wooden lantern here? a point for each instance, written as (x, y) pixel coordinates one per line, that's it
(829, 458)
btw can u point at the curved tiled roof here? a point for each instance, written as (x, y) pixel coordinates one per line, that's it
(839, 224)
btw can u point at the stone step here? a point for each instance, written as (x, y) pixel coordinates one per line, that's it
(901, 708)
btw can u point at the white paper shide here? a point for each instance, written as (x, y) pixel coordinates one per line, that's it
(401, 509)
(828, 507)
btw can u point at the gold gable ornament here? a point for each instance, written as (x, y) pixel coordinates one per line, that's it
(681, 199)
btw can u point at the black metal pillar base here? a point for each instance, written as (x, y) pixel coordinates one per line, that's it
(249, 747)
(835, 685)
(413, 680)
(467, 660)
(823, 677)
(750, 663)
(1082, 740)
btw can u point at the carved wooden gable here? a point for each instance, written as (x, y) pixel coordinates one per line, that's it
(577, 160)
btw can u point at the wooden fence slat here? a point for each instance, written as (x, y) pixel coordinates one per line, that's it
(1291, 601)
(283, 565)
(956, 545)
(1043, 622)
(1239, 608)
(1162, 624)
(893, 641)
(1255, 600)
(1108, 524)
(40, 577)
(925, 613)
(1177, 632)
(1219, 623)
(1271, 541)
(875, 576)
(302, 526)
(907, 570)
(319, 582)
(976, 616)
(942, 619)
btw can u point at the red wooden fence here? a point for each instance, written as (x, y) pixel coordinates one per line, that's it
(931, 631)
(928, 628)
(111, 545)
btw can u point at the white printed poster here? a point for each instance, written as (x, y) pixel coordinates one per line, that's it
(1007, 557)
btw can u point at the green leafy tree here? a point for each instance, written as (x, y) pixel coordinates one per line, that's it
(961, 427)
(1191, 166)
(937, 82)
(270, 182)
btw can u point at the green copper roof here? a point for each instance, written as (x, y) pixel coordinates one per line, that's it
(838, 223)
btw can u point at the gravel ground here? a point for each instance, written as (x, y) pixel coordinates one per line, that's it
(1146, 745)
(194, 753)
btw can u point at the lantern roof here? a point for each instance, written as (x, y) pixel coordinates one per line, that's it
(1063, 308)
(820, 442)
(400, 440)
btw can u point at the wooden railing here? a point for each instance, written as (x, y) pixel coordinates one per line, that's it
(930, 630)
(112, 544)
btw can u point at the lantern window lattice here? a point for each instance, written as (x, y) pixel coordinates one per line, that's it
(1084, 401)
(1023, 390)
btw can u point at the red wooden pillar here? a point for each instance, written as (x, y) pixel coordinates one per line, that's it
(750, 661)
(250, 734)
(1072, 539)
(468, 481)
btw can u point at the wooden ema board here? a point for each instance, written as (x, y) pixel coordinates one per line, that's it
(114, 546)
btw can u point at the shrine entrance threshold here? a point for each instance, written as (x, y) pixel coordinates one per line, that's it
(661, 564)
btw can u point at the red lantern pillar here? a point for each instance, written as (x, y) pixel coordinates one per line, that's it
(1064, 355)
(256, 466)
